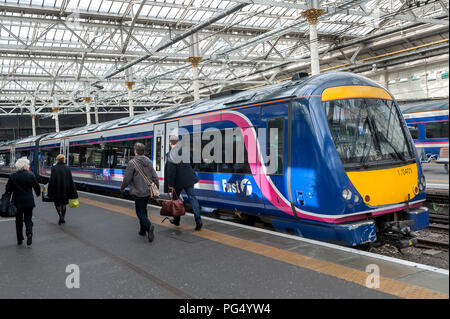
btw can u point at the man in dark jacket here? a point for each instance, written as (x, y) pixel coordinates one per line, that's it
(61, 187)
(21, 185)
(179, 176)
(139, 187)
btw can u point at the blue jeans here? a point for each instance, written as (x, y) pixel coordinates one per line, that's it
(194, 202)
(141, 212)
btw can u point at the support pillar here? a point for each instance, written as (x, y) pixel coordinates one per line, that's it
(55, 110)
(33, 116)
(129, 85)
(312, 15)
(96, 110)
(194, 59)
(33, 123)
(88, 109)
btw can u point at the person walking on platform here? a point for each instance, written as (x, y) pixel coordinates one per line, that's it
(21, 185)
(179, 176)
(138, 174)
(61, 187)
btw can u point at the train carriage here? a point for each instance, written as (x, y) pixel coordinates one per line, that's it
(428, 125)
(346, 167)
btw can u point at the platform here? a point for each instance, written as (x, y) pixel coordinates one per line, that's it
(223, 260)
(436, 177)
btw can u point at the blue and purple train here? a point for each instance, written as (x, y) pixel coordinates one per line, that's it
(428, 125)
(347, 170)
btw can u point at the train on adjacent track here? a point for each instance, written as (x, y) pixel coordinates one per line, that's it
(428, 124)
(346, 169)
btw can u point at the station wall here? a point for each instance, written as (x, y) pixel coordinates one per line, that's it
(417, 82)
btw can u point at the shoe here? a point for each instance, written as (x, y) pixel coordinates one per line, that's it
(150, 234)
(172, 221)
(198, 226)
(63, 221)
(29, 240)
(59, 221)
(19, 242)
(142, 233)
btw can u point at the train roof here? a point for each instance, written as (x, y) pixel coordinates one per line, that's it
(423, 105)
(220, 101)
(223, 100)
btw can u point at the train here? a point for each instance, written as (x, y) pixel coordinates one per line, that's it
(428, 124)
(345, 167)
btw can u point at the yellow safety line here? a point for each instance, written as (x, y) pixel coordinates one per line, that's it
(387, 285)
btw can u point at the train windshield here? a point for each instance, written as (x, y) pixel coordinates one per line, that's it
(367, 132)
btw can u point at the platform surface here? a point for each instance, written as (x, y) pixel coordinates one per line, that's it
(221, 261)
(435, 176)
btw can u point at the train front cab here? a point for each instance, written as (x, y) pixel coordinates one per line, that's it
(365, 182)
(387, 177)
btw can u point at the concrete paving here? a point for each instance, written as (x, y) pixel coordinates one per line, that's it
(221, 261)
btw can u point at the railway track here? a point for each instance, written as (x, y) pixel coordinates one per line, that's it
(439, 218)
(439, 228)
(432, 244)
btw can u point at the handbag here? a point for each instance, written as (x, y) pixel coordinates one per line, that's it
(154, 191)
(7, 207)
(172, 207)
(74, 203)
(45, 197)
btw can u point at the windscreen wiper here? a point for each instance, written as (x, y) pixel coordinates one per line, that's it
(365, 157)
(399, 155)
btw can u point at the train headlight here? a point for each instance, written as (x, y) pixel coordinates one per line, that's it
(356, 199)
(422, 183)
(347, 194)
(366, 199)
(416, 190)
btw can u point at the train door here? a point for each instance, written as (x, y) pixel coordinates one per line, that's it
(13, 157)
(64, 148)
(275, 119)
(162, 133)
(171, 129)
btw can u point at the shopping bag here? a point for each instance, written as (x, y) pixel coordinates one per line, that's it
(45, 194)
(74, 203)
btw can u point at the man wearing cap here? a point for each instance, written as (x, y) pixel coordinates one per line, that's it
(178, 176)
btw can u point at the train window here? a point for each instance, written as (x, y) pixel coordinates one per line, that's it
(437, 130)
(275, 144)
(76, 155)
(117, 154)
(202, 166)
(20, 154)
(413, 129)
(367, 131)
(158, 153)
(4, 159)
(48, 156)
(238, 162)
(93, 157)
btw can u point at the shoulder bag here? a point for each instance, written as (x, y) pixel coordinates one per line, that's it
(154, 191)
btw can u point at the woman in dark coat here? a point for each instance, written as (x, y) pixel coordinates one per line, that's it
(21, 185)
(61, 187)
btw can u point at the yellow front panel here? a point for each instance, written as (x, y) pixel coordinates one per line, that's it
(354, 92)
(386, 186)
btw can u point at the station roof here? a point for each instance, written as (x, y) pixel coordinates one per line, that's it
(54, 52)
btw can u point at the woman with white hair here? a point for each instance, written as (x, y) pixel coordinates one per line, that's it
(21, 184)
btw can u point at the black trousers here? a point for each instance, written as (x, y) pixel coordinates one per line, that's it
(140, 204)
(24, 215)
